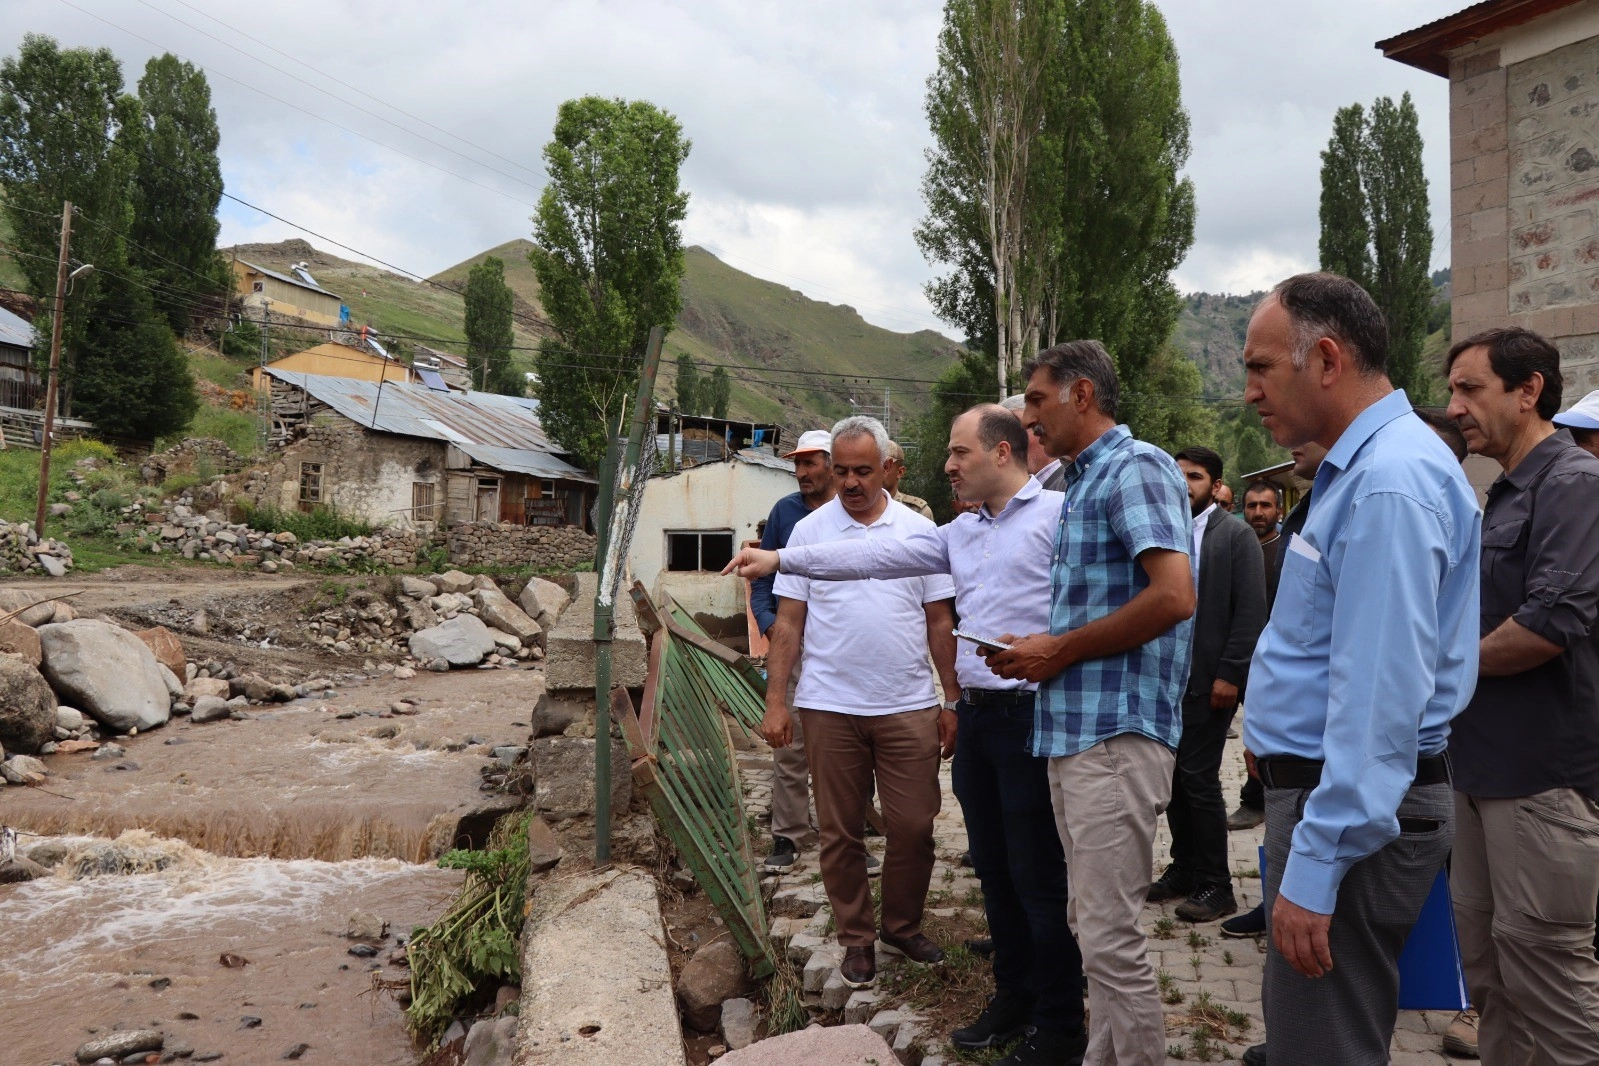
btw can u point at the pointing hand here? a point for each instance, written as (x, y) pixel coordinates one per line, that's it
(752, 563)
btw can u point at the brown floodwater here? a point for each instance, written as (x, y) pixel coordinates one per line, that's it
(79, 958)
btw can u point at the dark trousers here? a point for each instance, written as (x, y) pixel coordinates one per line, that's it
(1198, 811)
(1346, 1018)
(1003, 791)
(1252, 795)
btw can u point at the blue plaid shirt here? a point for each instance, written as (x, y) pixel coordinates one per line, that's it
(1123, 497)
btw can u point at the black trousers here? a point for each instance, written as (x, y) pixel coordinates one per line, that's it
(1198, 812)
(1252, 795)
(1003, 791)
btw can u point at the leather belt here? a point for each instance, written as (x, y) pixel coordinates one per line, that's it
(1291, 771)
(997, 697)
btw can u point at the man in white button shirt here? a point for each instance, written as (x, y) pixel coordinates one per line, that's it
(867, 699)
(1000, 560)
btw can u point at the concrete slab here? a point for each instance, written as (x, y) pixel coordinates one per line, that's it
(596, 983)
(839, 1045)
(570, 645)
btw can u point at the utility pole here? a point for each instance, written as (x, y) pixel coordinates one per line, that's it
(55, 367)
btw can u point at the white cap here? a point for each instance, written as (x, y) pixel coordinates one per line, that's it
(812, 440)
(1584, 414)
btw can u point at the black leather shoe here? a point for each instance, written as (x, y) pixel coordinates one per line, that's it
(1255, 1056)
(782, 857)
(982, 946)
(1171, 884)
(1249, 924)
(917, 948)
(859, 968)
(1003, 1020)
(1048, 1047)
(1208, 904)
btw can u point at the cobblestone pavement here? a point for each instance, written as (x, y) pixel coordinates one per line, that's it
(1196, 961)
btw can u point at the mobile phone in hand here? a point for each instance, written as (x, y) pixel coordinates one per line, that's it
(982, 642)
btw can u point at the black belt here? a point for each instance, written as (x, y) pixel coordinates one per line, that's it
(1291, 771)
(996, 697)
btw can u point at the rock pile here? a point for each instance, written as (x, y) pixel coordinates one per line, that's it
(22, 552)
(190, 455)
(181, 530)
(460, 620)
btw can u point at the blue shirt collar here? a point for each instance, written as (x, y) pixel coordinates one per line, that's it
(1107, 442)
(1028, 490)
(1366, 423)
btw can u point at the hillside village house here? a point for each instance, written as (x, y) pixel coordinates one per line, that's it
(404, 454)
(1524, 168)
(691, 523)
(20, 386)
(291, 296)
(337, 360)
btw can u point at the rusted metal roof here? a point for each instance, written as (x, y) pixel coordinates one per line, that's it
(1428, 47)
(499, 431)
(289, 279)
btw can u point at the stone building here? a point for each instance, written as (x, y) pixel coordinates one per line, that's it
(405, 455)
(1524, 168)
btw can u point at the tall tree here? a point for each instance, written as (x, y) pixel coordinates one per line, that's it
(69, 132)
(488, 330)
(1169, 411)
(1105, 214)
(177, 187)
(609, 257)
(688, 385)
(1376, 226)
(987, 104)
(718, 393)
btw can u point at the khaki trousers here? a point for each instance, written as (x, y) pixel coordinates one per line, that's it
(1524, 875)
(791, 783)
(1107, 801)
(902, 750)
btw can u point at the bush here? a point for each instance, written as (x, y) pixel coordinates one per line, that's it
(321, 523)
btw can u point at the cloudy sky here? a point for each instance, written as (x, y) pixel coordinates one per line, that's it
(806, 120)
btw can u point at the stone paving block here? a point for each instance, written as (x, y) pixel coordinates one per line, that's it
(835, 993)
(822, 962)
(860, 1006)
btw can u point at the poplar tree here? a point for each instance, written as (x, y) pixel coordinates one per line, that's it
(688, 385)
(718, 393)
(1376, 226)
(489, 335)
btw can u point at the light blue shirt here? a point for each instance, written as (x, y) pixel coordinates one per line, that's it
(1372, 644)
(1000, 563)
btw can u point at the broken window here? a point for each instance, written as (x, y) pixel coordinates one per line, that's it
(310, 485)
(422, 506)
(699, 550)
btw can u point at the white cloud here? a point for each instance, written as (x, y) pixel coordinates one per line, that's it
(806, 121)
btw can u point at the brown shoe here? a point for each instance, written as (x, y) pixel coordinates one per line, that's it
(917, 948)
(859, 968)
(1461, 1036)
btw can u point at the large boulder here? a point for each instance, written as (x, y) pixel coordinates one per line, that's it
(107, 671)
(33, 612)
(715, 973)
(543, 601)
(496, 608)
(27, 707)
(462, 641)
(21, 641)
(452, 581)
(165, 647)
(416, 587)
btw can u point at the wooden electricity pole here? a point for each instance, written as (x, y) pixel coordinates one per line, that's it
(55, 367)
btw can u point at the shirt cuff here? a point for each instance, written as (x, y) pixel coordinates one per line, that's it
(1311, 883)
(1548, 617)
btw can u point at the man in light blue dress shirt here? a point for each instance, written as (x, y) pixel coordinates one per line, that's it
(1370, 651)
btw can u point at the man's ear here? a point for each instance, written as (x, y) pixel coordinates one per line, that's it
(1530, 390)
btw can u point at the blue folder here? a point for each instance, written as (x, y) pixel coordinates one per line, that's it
(1431, 976)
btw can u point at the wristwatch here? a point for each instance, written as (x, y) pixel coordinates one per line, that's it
(949, 705)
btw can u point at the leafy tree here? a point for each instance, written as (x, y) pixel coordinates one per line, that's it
(718, 393)
(969, 381)
(1170, 412)
(609, 257)
(688, 385)
(1245, 445)
(1106, 215)
(1376, 226)
(488, 330)
(177, 187)
(130, 377)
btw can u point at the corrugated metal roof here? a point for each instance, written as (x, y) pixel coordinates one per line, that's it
(760, 457)
(477, 422)
(14, 330)
(289, 279)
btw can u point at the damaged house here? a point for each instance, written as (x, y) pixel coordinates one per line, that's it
(403, 454)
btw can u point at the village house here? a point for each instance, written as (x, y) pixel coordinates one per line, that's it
(1524, 168)
(20, 386)
(693, 520)
(451, 369)
(336, 360)
(403, 454)
(297, 296)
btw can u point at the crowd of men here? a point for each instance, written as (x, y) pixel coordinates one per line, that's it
(1421, 680)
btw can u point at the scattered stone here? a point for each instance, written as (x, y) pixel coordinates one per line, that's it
(165, 647)
(27, 707)
(16, 870)
(492, 1042)
(296, 1051)
(364, 925)
(109, 751)
(207, 686)
(249, 1021)
(210, 709)
(715, 973)
(835, 993)
(738, 1023)
(852, 1044)
(33, 610)
(462, 641)
(404, 673)
(551, 717)
(495, 608)
(23, 770)
(363, 951)
(544, 601)
(50, 854)
(410, 585)
(106, 671)
(69, 718)
(453, 581)
(207, 1056)
(161, 984)
(543, 847)
(21, 641)
(117, 1045)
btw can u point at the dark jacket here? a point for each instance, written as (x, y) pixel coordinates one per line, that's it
(1231, 609)
(785, 515)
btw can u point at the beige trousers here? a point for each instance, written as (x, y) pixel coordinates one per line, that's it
(1524, 875)
(1107, 802)
(791, 784)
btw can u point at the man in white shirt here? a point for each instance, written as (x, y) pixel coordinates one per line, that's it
(867, 699)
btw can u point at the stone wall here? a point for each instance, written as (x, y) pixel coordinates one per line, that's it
(367, 476)
(205, 455)
(505, 545)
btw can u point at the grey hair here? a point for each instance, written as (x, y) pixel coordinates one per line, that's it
(1322, 304)
(1073, 361)
(862, 426)
(1014, 403)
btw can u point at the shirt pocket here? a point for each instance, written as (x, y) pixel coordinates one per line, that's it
(1293, 615)
(1503, 568)
(1082, 541)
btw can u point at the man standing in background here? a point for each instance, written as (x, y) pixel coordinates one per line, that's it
(891, 479)
(1224, 497)
(1039, 464)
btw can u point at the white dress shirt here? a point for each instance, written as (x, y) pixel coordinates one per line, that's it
(1200, 521)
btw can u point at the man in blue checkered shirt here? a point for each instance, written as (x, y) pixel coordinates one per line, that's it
(1112, 671)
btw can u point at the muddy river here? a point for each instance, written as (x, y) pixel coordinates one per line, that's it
(256, 840)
